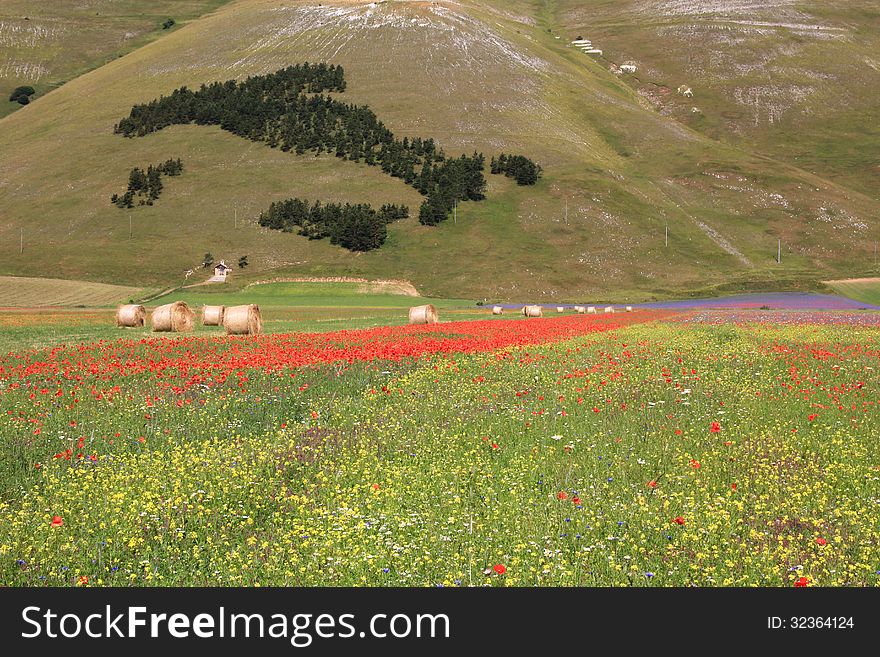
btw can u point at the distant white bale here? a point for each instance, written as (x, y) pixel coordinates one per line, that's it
(685, 91)
(628, 68)
(581, 42)
(497, 310)
(579, 309)
(533, 311)
(560, 309)
(591, 309)
(593, 51)
(609, 309)
(629, 309)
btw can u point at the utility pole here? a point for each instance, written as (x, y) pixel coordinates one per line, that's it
(454, 212)
(779, 252)
(666, 236)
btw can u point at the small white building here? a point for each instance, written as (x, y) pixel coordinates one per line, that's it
(221, 271)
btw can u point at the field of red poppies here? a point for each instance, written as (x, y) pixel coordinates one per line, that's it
(647, 448)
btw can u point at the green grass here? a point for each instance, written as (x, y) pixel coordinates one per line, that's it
(657, 455)
(520, 91)
(45, 44)
(330, 295)
(867, 290)
(799, 87)
(30, 292)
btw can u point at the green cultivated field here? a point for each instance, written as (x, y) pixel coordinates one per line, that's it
(29, 292)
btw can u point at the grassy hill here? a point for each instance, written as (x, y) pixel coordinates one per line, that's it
(20, 291)
(44, 44)
(861, 289)
(489, 76)
(794, 79)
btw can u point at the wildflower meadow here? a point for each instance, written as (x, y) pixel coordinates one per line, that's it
(654, 448)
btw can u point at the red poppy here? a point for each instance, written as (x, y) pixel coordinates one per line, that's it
(695, 464)
(733, 486)
(82, 580)
(652, 484)
(57, 521)
(576, 501)
(801, 582)
(812, 416)
(715, 427)
(678, 432)
(375, 486)
(500, 568)
(678, 520)
(821, 541)
(562, 495)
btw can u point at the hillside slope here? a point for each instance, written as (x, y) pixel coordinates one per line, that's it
(44, 44)
(486, 76)
(795, 79)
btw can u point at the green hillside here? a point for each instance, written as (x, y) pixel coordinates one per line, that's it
(485, 76)
(794, 79)
(45, 44)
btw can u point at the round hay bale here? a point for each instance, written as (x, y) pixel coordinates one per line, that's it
(130, 315)
(497, 310)
(591, 310)
(629, 309)
(426, 314)
(213, 315)
(580, 309)
(174, 317)
(533, 311)
(609, 309)
(243, 320)
(560, 309)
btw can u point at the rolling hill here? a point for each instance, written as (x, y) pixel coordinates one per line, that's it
(488, 76)
(794, 79)
(44, 44)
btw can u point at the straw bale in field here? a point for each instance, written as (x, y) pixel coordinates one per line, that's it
(130, 315)
(243, 320)
(426, 314)
(213, 315)
(173, 317)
